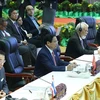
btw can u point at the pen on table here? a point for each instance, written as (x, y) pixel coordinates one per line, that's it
(30, 91)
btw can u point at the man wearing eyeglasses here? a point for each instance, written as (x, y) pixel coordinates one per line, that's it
(3, 85)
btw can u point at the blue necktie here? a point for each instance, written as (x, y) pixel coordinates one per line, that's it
(36, 24)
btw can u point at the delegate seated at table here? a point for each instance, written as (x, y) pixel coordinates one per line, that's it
(48, 60)
(3, 85)
(77, 45)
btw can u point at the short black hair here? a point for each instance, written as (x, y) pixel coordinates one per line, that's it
(49, 38)
(10, 11)
(2, 53)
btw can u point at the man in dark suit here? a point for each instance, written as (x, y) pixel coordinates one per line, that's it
(30, 23)
(27, 36)
(23, 4)
(48, 59)
(3, 84)
(32, 26)
(77, 45)
(24, 46)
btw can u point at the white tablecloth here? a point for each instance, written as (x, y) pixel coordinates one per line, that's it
(73, 84)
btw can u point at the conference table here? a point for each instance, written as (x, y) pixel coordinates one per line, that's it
(79, 87)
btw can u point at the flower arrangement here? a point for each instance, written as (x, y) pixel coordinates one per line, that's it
(90, 6)
(65, 5)
(96, 6)
(76, 7)
(84, 5)
(67, 31)
(12, 4)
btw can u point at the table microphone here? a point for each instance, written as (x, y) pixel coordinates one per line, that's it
(45, 81)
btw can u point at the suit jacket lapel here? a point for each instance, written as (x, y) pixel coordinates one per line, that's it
(12, 25)
(79, 39)
(49, 54)
(32, 22)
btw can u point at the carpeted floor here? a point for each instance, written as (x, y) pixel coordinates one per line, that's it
(67, 20)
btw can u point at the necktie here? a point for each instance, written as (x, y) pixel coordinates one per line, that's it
(36, 25)
(53, 56)
(16, 27)
(82, 44)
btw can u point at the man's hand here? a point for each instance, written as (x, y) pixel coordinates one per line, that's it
(24, 42)
(2, 94)
(41, 26)
(29, 35)
(71, 66)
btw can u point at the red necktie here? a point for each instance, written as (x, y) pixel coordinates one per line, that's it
(53, 56)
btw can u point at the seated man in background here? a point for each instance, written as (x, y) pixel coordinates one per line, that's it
(24, 50)
(23, 4)
(48, 59)
(77, 45)
(3, 85)
(29, 58)
(25, 35)
(32, 26)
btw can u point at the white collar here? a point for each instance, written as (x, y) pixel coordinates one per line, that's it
(49, 49)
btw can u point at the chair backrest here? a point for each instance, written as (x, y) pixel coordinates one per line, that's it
(14, 62)
(92, 27)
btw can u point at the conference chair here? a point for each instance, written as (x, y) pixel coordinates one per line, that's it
(49, 29)
(14, 66)
(91, 29)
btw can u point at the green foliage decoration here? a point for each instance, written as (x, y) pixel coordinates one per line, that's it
(96, 6)
(85, 4)
(12, 4)
(66, 32)
(76, 7)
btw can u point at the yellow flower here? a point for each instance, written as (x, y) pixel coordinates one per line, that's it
(70, 27)
(97, 26)
(70, 4)
(63, 30)
(90, 5)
